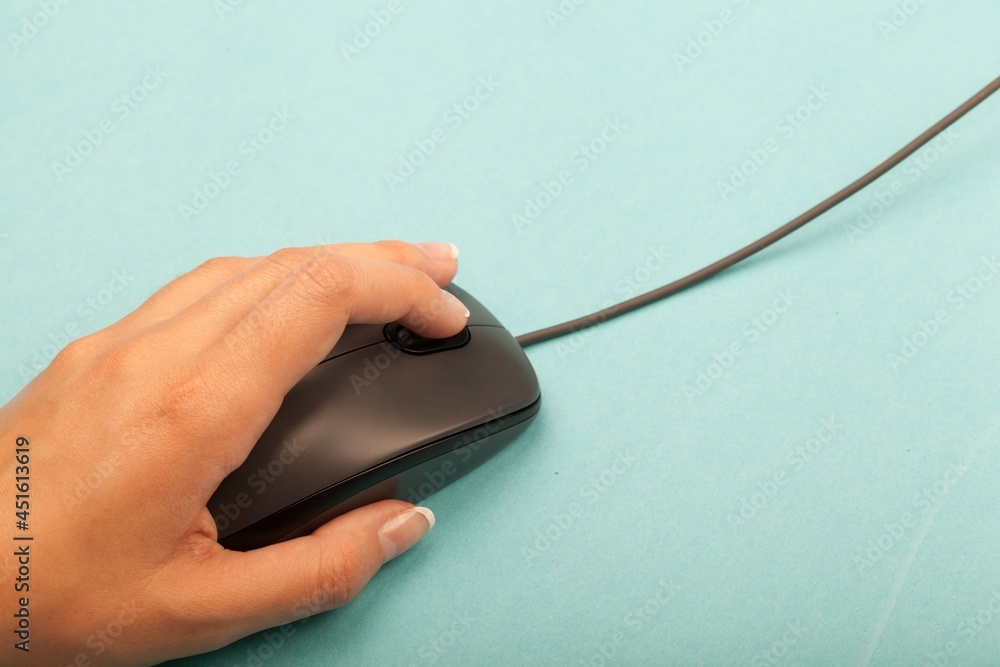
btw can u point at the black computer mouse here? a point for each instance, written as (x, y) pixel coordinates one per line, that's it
(387, 414)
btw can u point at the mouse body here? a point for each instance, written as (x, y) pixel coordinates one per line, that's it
(387, 414)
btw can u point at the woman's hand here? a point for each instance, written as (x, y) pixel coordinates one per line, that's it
(130, 431)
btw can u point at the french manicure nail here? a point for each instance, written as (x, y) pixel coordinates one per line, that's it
(438, 250)
(404, 530)
(451, 301)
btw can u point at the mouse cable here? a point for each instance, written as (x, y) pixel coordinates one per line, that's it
(703, 274)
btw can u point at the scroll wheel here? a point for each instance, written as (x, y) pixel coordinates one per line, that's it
(410, 342)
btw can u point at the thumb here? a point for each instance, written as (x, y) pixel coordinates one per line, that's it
(291, 580)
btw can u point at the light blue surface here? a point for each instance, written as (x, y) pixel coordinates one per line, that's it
(793, 569)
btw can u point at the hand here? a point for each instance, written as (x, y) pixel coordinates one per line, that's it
(130, 431)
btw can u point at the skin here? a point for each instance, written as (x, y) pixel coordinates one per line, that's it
(131, 430)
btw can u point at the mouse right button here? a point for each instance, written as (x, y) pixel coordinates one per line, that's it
(478, 314)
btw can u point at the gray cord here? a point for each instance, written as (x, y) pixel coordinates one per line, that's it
(703, 274)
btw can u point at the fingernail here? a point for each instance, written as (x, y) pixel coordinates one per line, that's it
(451, 301)
(438, 250)
(404, 530)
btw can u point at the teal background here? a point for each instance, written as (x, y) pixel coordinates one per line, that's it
(793, 575)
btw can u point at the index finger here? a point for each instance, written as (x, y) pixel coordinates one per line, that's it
(299, 322)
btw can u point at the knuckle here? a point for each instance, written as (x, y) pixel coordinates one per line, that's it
(423, 284)
(286, 260)
(77, 353)
(341, 576)
(127, 357)
(399, 252)
(221, 266)
(185, 399)
(329, 278)
(427, 292)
